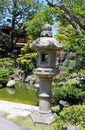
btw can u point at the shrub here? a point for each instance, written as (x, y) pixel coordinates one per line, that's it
(4, 76)
(11, 71)
(68, 92)
(0, 86)
(66, 84)
(69, 65)
(72, 115)
(27, 62)
(81, 73)
(6, 62)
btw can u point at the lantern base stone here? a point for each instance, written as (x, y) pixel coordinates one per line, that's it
(42, 118)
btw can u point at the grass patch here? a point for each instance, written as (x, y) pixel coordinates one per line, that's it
(27, 124)
(22, 93)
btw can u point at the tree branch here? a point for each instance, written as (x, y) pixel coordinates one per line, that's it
(75, 26)
(68, 12)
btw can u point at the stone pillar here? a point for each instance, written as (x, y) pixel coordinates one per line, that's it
(45, 93)
(44, 115)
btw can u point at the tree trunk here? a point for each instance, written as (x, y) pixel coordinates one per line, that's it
(11, 44)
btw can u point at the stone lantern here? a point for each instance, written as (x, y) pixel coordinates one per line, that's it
(46, 47)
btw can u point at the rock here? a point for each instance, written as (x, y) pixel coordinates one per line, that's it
(62, 56)
(36, 85)
(32, 80)
(82, 80)
(11, 83)
(72, 127)
(28, 78)
(61, 83)
(63, 103)
(73, 75)
(71, 56)
(16, 76)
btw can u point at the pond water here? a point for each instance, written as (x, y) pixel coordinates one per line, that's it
(23, 93)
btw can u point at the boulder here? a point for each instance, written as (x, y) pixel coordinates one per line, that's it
(63, 103)
(71, 56)
(16, 76)
(32, 80)
(28, 78)
(72, 127)
(36, 85)
(11, 83)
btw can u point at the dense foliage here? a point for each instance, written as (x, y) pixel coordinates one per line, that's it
(27, 59)
(6, 70)
(6, 62)
(34, 25)
(66, 84)
(5, 76)
(15, 13)
(72, 115)
(28, 16)
(70, 17)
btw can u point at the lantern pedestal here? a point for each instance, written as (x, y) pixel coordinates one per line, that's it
(42, 117)
(44, 114)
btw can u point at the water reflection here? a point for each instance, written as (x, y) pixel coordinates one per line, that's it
(11, 91)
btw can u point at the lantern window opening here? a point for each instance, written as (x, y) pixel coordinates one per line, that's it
(44, 58)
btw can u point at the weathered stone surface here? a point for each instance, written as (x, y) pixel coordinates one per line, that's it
(46, 47)
(47, 43)
(61, 83)
(32, 81)
(63, 103)
(44, 71)
(72, 127)
(28, 78)
(43, 118)
(36, 85)
(82, 81)
(16, 76)
(46, 27)
(62, 56)
(71, 56)
(11, 83)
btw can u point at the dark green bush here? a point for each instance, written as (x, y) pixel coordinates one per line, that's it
(11, 71)
(72, 115)
(4, 76)
(0, 86)
(69, 65)
(66, 85)
(6, 62)
(68, 92)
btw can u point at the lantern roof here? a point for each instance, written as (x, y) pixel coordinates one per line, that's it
(46, 41)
